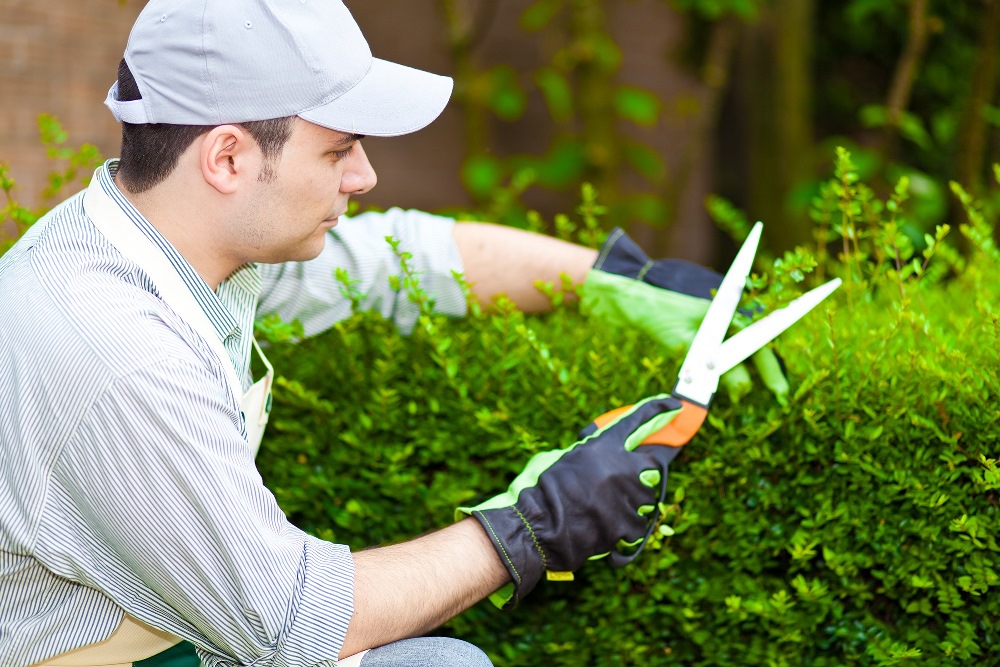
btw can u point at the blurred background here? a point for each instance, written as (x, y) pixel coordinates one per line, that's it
(657, 103)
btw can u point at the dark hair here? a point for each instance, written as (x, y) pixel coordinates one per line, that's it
(150, 151)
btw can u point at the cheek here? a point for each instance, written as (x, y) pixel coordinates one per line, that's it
(303, 200)
(321, 188)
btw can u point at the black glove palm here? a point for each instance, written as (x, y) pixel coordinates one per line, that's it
(570, 505)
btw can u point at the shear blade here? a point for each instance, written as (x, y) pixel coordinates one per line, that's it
(763, 331)
(699, 377)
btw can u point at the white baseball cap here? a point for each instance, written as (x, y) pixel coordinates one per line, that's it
(212, 62)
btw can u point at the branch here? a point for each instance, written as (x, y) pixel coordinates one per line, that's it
(906, 69)
(974, 136)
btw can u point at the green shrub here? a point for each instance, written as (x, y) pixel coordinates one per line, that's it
(857, 525)
(72, 167)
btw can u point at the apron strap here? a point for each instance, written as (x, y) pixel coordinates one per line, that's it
(122, 233)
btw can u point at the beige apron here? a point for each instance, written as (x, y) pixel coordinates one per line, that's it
(134, 640)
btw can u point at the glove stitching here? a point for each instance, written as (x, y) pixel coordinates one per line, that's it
(534, 539)
(609, 245)
(644, 270)
(500, 544)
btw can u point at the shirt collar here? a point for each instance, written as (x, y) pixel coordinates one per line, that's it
(246, 278)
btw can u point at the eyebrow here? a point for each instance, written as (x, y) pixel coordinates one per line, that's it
(348, 139)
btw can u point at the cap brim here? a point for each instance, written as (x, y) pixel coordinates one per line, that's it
(390, 100)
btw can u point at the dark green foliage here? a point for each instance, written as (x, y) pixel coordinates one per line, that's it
(857, 525)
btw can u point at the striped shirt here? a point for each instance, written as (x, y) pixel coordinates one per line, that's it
(126, 482)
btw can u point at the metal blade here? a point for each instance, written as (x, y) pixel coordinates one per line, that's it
(699, 378)
(763, 331)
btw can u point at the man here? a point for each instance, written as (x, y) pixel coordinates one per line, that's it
(134, 527)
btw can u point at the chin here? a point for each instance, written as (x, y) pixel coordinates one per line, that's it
(309, 250)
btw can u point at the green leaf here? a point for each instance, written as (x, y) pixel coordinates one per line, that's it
(540, 14)
(640, 106)
(507, 98)
(557, 93)
(604, 52)
(482, 174)
(561, 166)
(991, 114)
(646, 161)
(912, 127)
(51, 130)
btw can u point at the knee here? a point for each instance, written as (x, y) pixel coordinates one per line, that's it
(458, 653)
(429, 651)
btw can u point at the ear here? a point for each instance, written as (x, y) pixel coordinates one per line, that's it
(228, 156)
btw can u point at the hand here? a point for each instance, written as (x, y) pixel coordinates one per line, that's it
(667, 299)
(571, 505)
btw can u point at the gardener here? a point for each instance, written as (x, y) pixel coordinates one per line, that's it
(133, 523)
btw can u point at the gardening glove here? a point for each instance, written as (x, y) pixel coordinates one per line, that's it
(571, 505)
(667, 299)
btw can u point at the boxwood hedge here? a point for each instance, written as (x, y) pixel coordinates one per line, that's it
(855, 525)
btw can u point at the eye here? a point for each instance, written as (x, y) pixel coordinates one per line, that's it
(351, 141)
(344, 153)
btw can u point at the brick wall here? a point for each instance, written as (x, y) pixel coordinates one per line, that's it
(57, 57)
(60, 57)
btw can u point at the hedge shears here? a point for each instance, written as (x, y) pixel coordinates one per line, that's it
(711, 355)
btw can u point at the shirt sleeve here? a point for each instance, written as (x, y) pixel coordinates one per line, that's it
(156, 503)
(308, 292)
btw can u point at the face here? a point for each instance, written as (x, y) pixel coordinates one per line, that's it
(286, 217)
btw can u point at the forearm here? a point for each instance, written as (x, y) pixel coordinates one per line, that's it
(500, 259)
(407, 589)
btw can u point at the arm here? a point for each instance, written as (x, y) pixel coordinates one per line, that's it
(176, 527)
(493, 258)
(503, 259)
(407, 589)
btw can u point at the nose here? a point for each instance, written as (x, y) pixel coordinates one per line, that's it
(359, 176)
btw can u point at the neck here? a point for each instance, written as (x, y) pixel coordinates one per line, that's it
(189, 224)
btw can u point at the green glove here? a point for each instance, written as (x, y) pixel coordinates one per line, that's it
(571, 505)
(667, 299)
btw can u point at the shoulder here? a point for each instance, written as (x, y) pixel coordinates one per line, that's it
(79, 324)
(69, 299)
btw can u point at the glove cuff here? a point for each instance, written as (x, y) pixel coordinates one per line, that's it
(518, 548)
(623, 256)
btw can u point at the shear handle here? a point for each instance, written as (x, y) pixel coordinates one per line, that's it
(675, 434)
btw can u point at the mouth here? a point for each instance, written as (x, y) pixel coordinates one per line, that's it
(330, 223)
